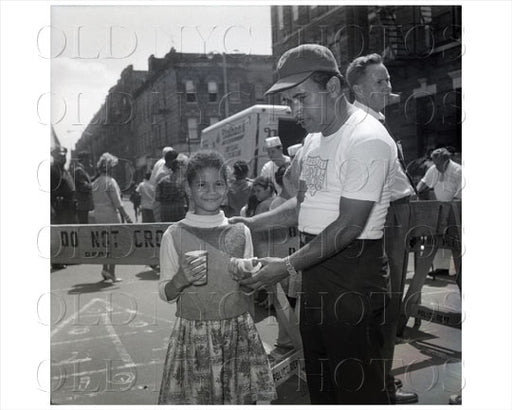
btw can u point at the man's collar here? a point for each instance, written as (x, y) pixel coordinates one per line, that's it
(377, 115)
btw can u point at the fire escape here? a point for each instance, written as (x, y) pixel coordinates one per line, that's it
(404, 41)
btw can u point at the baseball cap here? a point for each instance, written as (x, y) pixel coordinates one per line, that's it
(298, 63)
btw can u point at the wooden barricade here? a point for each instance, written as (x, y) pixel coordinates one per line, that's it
(120, 244)
(434, 225)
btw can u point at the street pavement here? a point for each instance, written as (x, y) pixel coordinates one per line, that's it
(108, 341)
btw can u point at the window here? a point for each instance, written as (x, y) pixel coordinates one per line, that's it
(234, 91)
(295, 13)
(192, 129)
(259, 92)
(212, 91)
(190, 90)
(214, 120)
(280, 20)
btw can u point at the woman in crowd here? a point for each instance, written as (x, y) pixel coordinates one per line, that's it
(107, 203)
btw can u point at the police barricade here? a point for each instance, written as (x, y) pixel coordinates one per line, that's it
(433, 225)
(139, 244)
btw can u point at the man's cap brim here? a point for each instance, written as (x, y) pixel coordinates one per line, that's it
(288, 82)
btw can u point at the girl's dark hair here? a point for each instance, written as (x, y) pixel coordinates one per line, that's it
(264, 182)
(205, 159)
(252, 201)
(240, 169)
(280, 174)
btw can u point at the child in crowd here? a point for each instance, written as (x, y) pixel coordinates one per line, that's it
(239, 189)
(262, 195)
(215, 354)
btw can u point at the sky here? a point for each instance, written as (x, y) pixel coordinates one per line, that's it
(91, 45)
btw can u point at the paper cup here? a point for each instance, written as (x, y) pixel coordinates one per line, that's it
(243, 268)
(191, 255)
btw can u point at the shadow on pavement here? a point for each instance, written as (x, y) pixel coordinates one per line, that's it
(89, 287)
(147, 275)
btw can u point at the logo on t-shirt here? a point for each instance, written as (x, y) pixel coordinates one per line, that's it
(315, 174)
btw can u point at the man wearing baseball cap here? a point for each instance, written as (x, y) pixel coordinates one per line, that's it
(347, 163)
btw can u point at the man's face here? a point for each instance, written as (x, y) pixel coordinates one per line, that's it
(275, 153)
(441, 163)
(374, 87)
(311, 106)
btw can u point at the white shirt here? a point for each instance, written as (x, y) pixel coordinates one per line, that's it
(447, 185)
(157, 169)
(147, 194)
(269, 170)
(359, 161)
(400, 187)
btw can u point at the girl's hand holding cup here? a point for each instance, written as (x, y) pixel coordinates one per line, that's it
(195, 267)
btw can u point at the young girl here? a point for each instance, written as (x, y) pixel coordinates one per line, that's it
(215, 355)
(262, 195)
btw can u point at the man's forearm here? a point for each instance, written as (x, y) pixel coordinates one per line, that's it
(284, 215)
(333, 239)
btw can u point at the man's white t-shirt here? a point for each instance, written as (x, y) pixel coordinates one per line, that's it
(447, 185)
(401, 187)
(359, 161)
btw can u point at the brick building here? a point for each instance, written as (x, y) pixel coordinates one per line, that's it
(171, 103)
(422, 49)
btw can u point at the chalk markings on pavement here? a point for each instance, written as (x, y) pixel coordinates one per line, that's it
(71, 318)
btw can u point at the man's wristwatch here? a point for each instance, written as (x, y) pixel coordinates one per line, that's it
(289, 267)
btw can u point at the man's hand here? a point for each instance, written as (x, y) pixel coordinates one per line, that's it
(273, 271)
(242, 219)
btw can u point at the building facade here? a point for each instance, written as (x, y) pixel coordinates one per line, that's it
(179, 95)
(422, 50)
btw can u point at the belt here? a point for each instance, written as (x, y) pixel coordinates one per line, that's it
(401, 201)
(305, 237)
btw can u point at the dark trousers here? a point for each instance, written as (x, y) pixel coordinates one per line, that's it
(147, 215)
(395, 237)
(342, 314)
(83, 216)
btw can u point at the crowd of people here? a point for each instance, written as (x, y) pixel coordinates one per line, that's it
(340, 187)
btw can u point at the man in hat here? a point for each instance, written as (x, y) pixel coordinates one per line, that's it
(160, 171)
(348, 163)
(444, 177)
(274, 149)
(370, 83)
(62, 195)
(84, 201)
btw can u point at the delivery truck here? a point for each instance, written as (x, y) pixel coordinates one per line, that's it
(242, 135)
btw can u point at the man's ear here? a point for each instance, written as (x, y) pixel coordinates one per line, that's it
(356, 88)
(333, 86)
